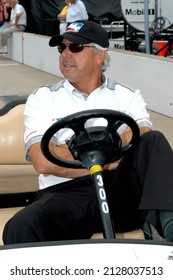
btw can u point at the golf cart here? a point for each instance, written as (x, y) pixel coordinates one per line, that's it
(92, 147)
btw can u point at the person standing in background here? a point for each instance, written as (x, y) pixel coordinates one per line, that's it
(17, 23)
(62, 17)
(74, 11)
(6, 15)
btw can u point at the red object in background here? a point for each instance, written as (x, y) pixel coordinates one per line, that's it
(1, 12)
(160, 45)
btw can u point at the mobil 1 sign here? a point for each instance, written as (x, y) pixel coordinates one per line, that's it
(158, 10)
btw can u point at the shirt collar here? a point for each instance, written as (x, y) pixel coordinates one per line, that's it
(70, 88)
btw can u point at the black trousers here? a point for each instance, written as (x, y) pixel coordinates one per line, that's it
(140, 187)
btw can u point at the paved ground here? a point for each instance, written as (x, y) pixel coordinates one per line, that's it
(19, 79)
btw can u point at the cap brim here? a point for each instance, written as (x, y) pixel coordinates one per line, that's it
(73, 37)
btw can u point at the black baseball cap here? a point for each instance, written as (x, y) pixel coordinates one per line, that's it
(82, 32)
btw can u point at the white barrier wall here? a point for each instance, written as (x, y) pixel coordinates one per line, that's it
(153, 75)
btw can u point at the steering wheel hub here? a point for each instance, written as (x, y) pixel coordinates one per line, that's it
(92, 145)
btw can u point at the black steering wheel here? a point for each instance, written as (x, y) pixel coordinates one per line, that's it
(92, 145)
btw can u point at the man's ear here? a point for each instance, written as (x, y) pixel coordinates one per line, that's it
(101, 56)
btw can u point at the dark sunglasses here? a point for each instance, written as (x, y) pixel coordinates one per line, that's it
(74, 48)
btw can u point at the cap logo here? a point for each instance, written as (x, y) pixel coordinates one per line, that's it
(74, 27)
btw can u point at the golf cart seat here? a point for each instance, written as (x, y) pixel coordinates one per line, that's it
(18, 178)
